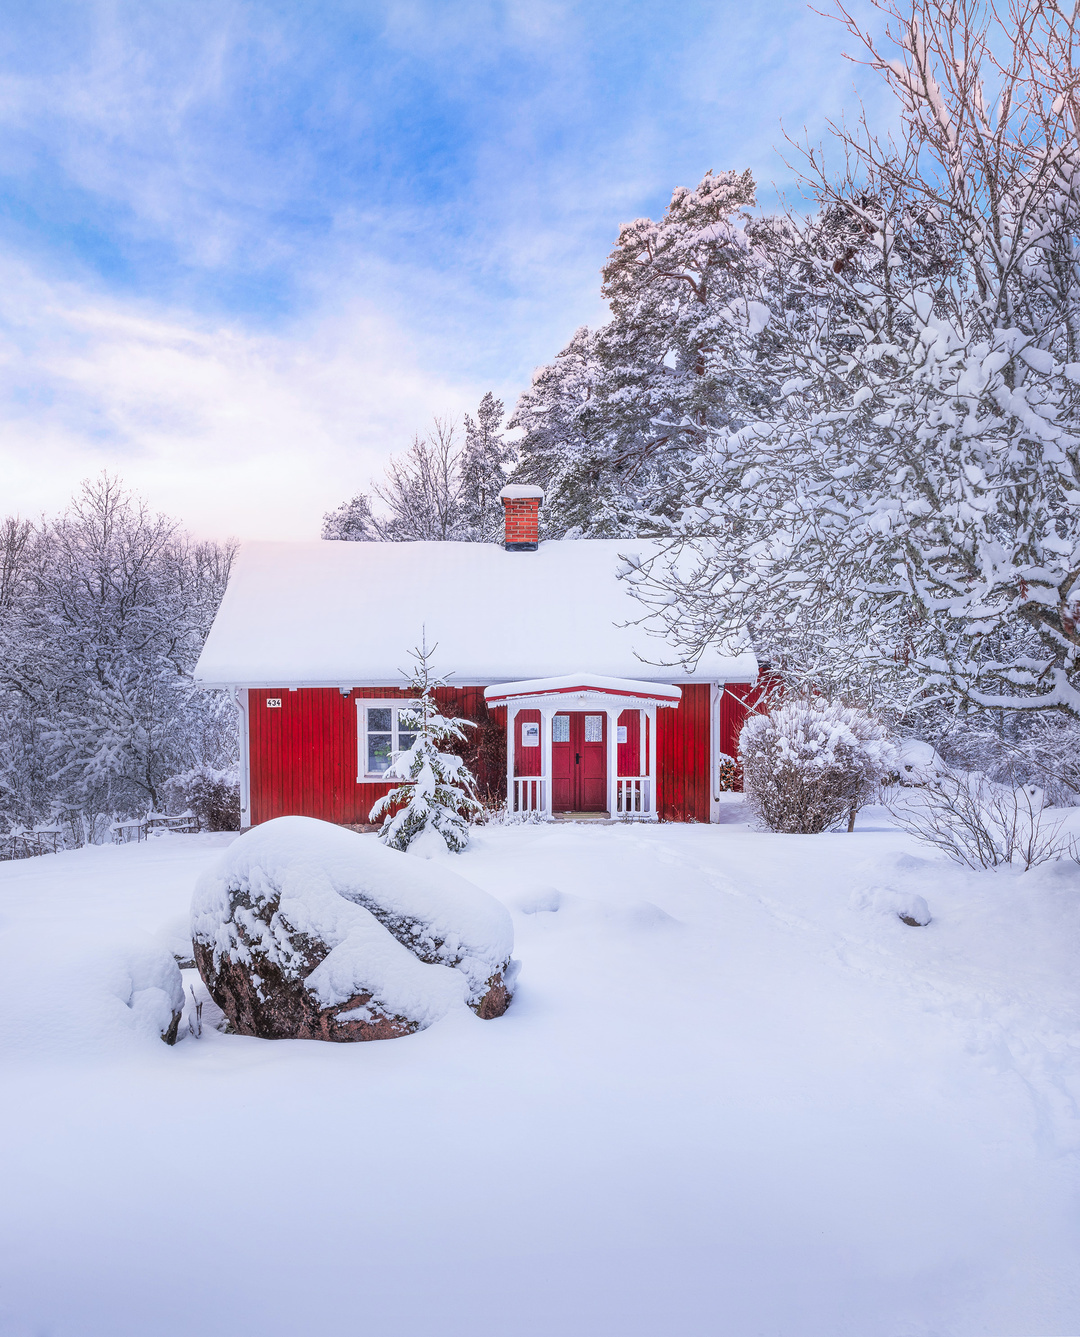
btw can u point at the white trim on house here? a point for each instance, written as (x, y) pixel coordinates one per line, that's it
(363, 705)
(630, 796)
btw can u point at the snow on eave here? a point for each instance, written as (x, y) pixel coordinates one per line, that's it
(330, 614)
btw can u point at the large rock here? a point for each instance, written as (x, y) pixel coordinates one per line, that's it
(305, 930)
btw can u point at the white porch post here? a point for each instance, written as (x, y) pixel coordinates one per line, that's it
(546, 725)
(654, 806)
(511, 738)
(612, 761)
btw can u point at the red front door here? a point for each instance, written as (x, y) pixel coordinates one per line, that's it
(579, 762)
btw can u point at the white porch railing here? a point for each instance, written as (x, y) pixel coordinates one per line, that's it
(528, 793)
(632, 795)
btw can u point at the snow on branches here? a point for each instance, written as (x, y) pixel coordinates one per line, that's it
(904, 505)
(811, 764)
(429, 812)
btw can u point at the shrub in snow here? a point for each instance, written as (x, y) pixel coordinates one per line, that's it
(430, 811)
(979, 823)
(308, 931)
(811, 763)
(212, 796)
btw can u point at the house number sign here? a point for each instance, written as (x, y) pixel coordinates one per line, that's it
(273, 703)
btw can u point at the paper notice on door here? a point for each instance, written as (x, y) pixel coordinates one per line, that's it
(622, 733)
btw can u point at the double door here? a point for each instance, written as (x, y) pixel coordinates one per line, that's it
(579, 762)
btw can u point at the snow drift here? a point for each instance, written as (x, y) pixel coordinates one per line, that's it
(309, 931)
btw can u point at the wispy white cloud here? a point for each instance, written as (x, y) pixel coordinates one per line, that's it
(246, 251)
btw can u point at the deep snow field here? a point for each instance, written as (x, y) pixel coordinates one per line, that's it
(731, 1097)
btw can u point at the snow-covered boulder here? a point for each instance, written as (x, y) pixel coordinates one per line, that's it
(150, 984)
(309, 931)
(917, 763)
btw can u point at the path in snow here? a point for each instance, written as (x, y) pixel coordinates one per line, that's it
(725, 1101)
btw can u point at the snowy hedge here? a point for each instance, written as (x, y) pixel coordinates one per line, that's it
(811, 764)
(306, 930)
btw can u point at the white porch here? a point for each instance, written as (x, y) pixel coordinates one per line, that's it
(628, 796)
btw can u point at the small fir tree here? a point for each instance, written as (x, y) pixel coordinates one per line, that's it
(437, 795)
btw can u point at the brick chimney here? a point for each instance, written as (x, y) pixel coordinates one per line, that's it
(521, 507)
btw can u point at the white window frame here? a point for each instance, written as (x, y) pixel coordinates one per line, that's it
(363, 705)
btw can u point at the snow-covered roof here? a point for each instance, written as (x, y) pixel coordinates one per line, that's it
(580, 684)
(331, 613)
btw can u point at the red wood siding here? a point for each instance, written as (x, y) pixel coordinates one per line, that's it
(737, 700)
(682, 757)
(630, 762)
(304, 755)
(526, 759)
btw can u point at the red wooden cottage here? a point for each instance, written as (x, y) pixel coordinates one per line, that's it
(544, 641)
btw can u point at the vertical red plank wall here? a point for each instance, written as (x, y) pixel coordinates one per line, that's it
(682, 757)
(738, 700)
(303, 754)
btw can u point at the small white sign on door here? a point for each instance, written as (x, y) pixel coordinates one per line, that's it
(273, 703)
(622, 732)
(530, 735)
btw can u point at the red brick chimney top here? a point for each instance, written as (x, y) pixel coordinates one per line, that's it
(521, 505)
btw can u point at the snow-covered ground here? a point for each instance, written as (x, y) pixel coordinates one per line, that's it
(734, 1095)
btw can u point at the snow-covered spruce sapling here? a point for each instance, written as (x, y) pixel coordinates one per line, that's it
(811, 764)
(437, 796)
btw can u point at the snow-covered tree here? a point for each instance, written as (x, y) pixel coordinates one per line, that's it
(103, 612)
(353, 521)
(905, 503)
(431, 808)
(482, 471)
(441, 489)
(609, 426)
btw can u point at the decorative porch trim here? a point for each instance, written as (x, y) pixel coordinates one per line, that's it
(633, 797)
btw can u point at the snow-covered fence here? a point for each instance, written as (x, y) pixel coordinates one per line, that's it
(20, 843)
(138, 828)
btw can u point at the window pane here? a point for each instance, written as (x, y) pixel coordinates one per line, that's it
(560, 729)
(378, 718)
(594, 728)
(405, 741)
(379, 747)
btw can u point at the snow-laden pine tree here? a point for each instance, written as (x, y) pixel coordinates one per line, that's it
(482, 471)
(610, 425)
(437, 796)
(906, 502)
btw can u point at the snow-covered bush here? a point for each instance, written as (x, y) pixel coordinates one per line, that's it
(212, 796)
(812, 763)
(978, 822)
(430, 811)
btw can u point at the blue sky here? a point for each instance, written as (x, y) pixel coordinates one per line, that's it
(246, 250)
